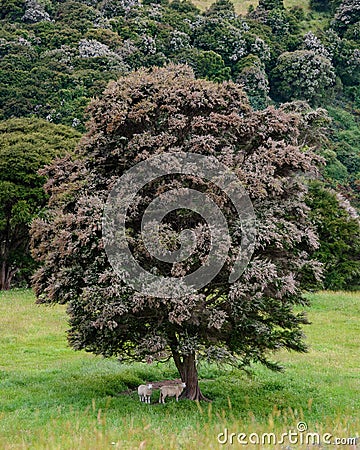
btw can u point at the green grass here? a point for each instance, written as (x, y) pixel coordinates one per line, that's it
(52, 397)
(242, 6)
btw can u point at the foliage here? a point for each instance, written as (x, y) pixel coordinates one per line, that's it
(253, 77)
(238, 323)
(271, 4)
(347, 61)
(35, 12)
(281, 21)
(221, 37)
(52, 68)
(26, 145)
(303, 75)
(221, 8)
(11, 9)
(338, 227)
(314, 44)
(347, 14)
(205, 64)
(345, 144)
(324, 5)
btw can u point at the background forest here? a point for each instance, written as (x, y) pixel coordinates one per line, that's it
(57, 55)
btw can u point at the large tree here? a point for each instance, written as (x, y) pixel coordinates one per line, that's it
(161, 112)
(26, 145)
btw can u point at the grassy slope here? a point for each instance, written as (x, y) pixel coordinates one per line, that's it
(52, 397)
(242, 6)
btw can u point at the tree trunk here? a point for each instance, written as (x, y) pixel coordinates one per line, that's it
(188, 372)
(6, 275)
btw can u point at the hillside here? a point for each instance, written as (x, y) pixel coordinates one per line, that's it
(56, 56)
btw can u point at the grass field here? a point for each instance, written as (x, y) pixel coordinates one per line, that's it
(242, 6)
(54, 398)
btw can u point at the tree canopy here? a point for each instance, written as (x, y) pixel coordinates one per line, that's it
(26, 145)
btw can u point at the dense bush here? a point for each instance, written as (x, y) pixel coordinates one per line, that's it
(206, 64)
(271, 4)
(348, 13)
(253, 77)
(324, 5)
(303, 75)
(79, 40)
(338, 227)
(26, 145)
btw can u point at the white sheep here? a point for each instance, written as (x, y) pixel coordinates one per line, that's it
(144, 392)
(171, 391)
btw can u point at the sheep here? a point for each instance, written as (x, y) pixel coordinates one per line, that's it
(144, 392)
(171, 391)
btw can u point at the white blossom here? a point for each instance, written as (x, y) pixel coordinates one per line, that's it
(313, 43)
(179, 40)
(35, 12)
(260, 49)
(149, 45)
(348, 11)
(91, 48)
(76, 122)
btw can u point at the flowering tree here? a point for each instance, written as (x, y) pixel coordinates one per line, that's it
(313, 43)
(303, 75)
(35, 12)
(159, 112)
(220, 36)
(347, 13)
